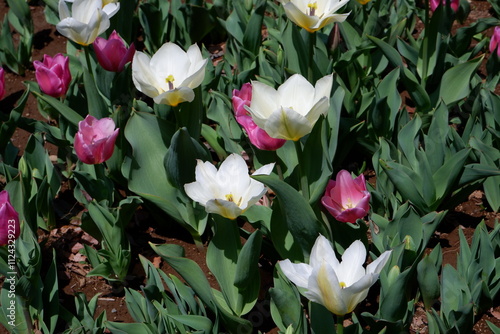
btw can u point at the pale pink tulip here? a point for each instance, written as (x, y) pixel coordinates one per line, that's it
(112, 53)
(9, 220)
(435, 4)
(258, 136)
(346, 198)
(495, 41)
(53, 75)
(95, 140)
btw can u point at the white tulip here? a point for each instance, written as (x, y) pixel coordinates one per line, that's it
(228, 191)
(314, 15)
(86, 20)
(339, 286)
(170, 76)
(291, 111)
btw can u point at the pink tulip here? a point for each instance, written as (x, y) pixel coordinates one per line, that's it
(435, 4)
(53, 75)
(9, 220)
(113, 54)
(95, 140)
(495, 41)
(346, 198)
(2, 83)
(258, 136)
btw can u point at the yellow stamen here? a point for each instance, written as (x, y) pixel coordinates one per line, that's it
(170, 79)
(312, 8)
(349, 204)
(230, 198)
(343, 285)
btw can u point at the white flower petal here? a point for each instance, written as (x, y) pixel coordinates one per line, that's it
(298, 273)
(224, 208)
(322, 251)
(144, 79)
(264, 102)
(175, 96)
(287, 124)
(376, 266)
(296, 93)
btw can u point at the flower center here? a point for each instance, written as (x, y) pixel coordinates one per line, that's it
(230, 198)
(312, 8)
(348, 205)
(170, 80)
(343, 285)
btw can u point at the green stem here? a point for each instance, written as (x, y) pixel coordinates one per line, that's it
(304, 184)
(340, 324)
(312, 45)
(425, 57)
(89, 63)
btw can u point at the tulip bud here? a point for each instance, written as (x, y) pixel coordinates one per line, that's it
(112, 53)
(393, 275)
(258, 136)
(453, 3)
(2, 83)
(9, 220)
(495, 41)
(95, 140)
(346, 198)
(53, 75)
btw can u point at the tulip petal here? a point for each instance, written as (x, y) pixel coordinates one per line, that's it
(49, 82)
(323, 88)
(144, 80)
(298, 273)
(356, 293)
(376, 266)
(299, 17)
(224, 208)
(264, 102)
(296, 93)
(287, 124)
(175, 96)
(322, 251)
(170, 60)
(330, 290)
(351, 268)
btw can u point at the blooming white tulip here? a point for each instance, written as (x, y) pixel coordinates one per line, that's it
(170, 75)
(291, 111)
(314, 15)
(339, 286)
(87, 19)
(228, 191)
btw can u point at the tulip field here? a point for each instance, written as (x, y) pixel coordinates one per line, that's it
(250, 166)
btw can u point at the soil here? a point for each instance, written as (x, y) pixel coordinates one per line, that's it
(68, 237)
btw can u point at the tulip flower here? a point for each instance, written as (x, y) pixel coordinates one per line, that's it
(314, 15)
(2, 83)
(170, 76)
(291, 111)
(346, 198)
(339, 286)
(495, 41)
(435, 4)
(112, 53)
(87, 19)
(258, 137)
(228, 191)
(95, 140)
(53, 74)
(9, 220)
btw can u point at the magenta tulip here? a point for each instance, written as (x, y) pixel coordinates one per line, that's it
(9, 220)
(346, 198)
(112, 53)
(53, 75)
(95, 140)
(258, 136)
(495, 41)
(2, 83)
(435, 4)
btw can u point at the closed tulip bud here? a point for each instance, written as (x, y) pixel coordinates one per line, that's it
(113, 53)
(495, 41)
(258, 136)
(87, 19)
(346, 198)
(435, 4)
(9, 220)
(2, 83)
(53, 74)
(95, 140)
(337, 285)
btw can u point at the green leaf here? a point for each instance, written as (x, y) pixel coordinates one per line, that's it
(428, 280)
(455, 84)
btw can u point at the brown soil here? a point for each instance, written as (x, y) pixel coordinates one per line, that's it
(68, 237)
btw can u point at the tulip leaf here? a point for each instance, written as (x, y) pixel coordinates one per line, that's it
(428, 280)
(455, 84)
(296, 213)
(180, 160)
(69, 114)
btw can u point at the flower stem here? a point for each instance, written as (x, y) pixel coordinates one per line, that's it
(87, 59)
(340, 324)
(312, 45)
(304, 184)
